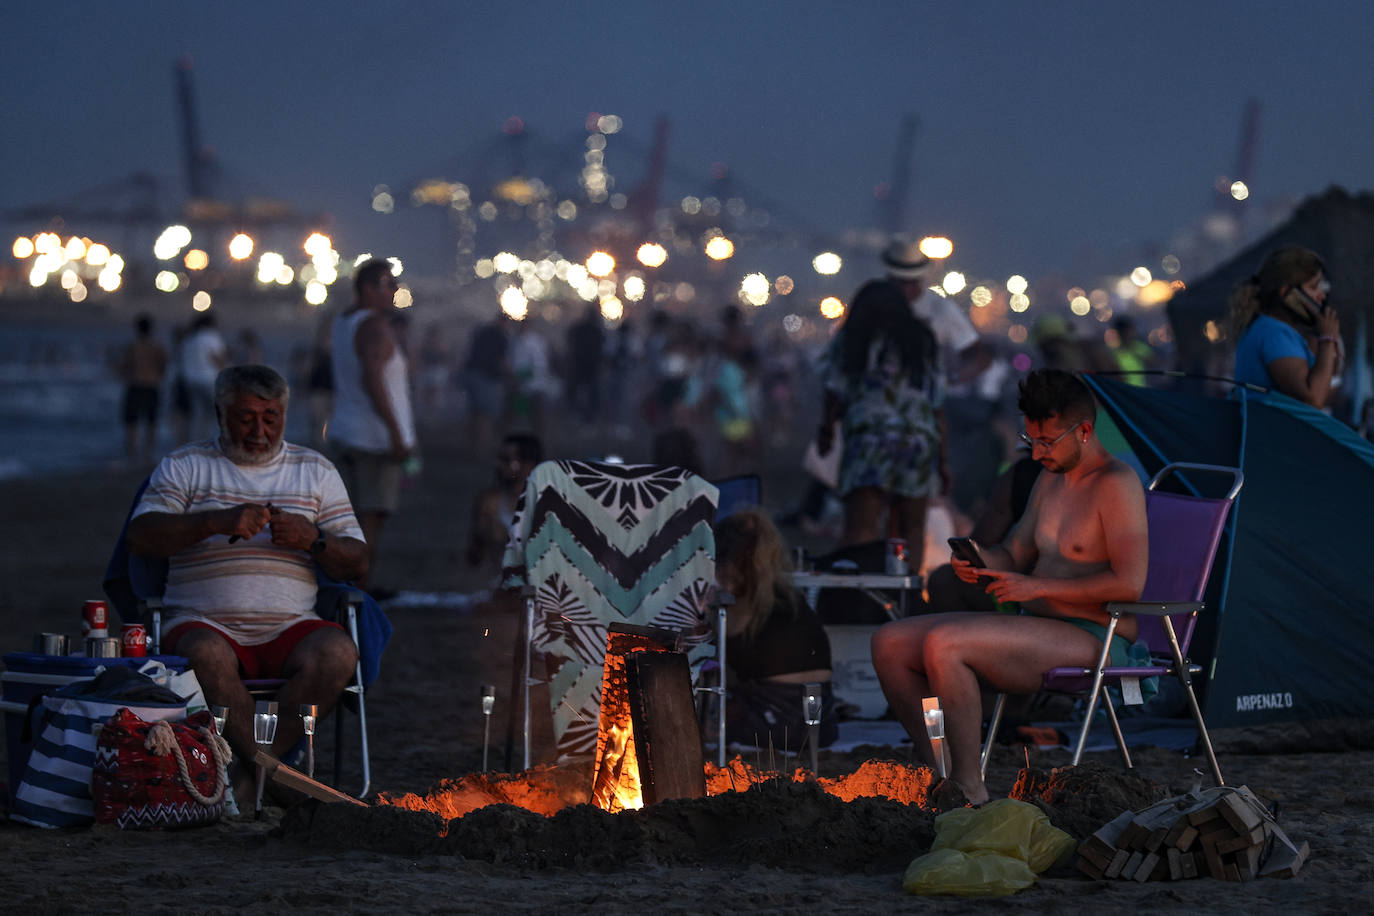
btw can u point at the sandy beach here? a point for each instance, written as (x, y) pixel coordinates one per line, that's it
(780, 849)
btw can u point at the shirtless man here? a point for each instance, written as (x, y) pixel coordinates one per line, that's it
(1081, 543)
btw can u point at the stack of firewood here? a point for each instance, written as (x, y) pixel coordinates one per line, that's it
(1227, 833)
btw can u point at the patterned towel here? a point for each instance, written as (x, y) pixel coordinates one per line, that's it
(603, 543)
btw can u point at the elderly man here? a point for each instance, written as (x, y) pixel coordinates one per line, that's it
(1081, 543)
(243, 520)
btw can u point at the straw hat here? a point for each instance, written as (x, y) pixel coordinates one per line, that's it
(904, 260)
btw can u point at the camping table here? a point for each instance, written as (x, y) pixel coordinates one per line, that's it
(868, 583)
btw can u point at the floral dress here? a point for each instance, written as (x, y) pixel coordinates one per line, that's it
(891, 436)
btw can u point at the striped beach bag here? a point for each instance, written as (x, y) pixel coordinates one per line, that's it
(55, 790)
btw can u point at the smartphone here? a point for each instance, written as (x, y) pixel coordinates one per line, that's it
(964, 549)
(1303, 306)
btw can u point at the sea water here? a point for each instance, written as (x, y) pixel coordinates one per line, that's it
(60, 399)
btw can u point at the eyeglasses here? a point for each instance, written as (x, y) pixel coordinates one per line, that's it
(1047, 444)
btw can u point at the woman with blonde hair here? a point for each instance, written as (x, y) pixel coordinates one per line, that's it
(774, 643)
(1289, 340)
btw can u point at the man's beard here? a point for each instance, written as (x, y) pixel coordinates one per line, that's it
(240, 455)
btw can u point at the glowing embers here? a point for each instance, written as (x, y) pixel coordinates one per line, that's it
(648, 745)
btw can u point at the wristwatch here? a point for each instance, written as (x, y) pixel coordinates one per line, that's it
(319, 544)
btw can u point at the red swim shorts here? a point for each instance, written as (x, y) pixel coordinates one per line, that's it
(261, 661)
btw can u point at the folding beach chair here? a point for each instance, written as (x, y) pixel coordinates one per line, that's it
(135, 586)
(1185, 532)
(595, 543)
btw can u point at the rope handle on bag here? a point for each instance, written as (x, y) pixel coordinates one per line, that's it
(162, 740)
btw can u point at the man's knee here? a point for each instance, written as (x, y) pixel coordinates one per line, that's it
(207, 652)
(327, 651)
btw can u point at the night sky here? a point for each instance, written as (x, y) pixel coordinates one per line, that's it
(1066, 138)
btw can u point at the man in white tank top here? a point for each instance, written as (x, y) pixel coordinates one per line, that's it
(371, 432)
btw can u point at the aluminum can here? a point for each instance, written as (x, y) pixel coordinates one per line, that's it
(135, 639)
(897, 561)
(95, 619)
(102, 647)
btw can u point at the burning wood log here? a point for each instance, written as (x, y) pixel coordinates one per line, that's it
(1224, 832)
(648, 745)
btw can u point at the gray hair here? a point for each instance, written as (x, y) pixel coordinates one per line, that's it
(260, 381)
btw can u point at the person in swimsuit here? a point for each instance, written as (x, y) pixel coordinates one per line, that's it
(1081, 543)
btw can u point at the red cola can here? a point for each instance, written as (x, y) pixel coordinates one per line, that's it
(135, 639)
(898, 562)
(95, 619)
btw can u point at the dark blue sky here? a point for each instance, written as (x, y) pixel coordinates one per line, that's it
(1053, 136)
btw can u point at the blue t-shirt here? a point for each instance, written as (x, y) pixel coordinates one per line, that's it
(1266, 340)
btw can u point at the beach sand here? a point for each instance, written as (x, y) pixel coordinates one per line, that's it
(784, 848)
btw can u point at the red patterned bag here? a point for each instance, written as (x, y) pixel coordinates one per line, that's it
(159, 774)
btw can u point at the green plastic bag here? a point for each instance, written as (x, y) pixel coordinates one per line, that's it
(949, 871)
(996, 849)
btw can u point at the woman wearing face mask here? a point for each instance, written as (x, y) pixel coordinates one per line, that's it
(1289, 339)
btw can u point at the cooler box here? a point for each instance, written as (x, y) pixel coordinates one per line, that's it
(27, 674)
(851, 664)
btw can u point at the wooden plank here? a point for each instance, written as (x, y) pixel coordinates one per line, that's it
(1118, 863)
(1188, 862)
(1253, 838)
(284, 775)
(1285, 862)
(1203, 816)
(1187, 837)
(1089, 869)
(1175, 860)
(1095, 855)
(667, 737)
(1146, 867)
(1132, 865)
(1247, 861)
(1239, 813)
(1215, 868)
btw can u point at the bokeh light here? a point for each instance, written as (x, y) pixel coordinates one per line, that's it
(1080, 306)
(241, 247)
(196, 259)
(954, 282)
(1016, 284)
(652, 254)
(166, 281)
(1018, 302)
(1141, 277)
(78, 292)
(98, 255)
(600, 264)
(316, 292)
(201, 301)
(980, 296)
(783, 285)
(827, 263)
(1239, 190)
(514, 303)
(719, 248)
(634, 288)
(505, 262)
(23, 247)
(754, 288)
(403, 299)
(612, 308)
(831, 307)
(936, 246)
(316, 244)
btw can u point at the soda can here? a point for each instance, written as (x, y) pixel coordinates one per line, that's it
(897, 563)
(95, 619)
(135, 639)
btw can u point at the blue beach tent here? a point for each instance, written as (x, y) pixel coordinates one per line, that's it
(1288, 637)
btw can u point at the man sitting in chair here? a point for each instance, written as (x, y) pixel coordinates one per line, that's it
(1081, 543)
(243, 520)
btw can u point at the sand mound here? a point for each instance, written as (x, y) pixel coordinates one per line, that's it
(875, 819)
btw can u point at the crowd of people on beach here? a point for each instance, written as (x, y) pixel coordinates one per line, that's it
(913, 403)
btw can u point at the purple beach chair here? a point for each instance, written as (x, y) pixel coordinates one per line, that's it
(1184, 534)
